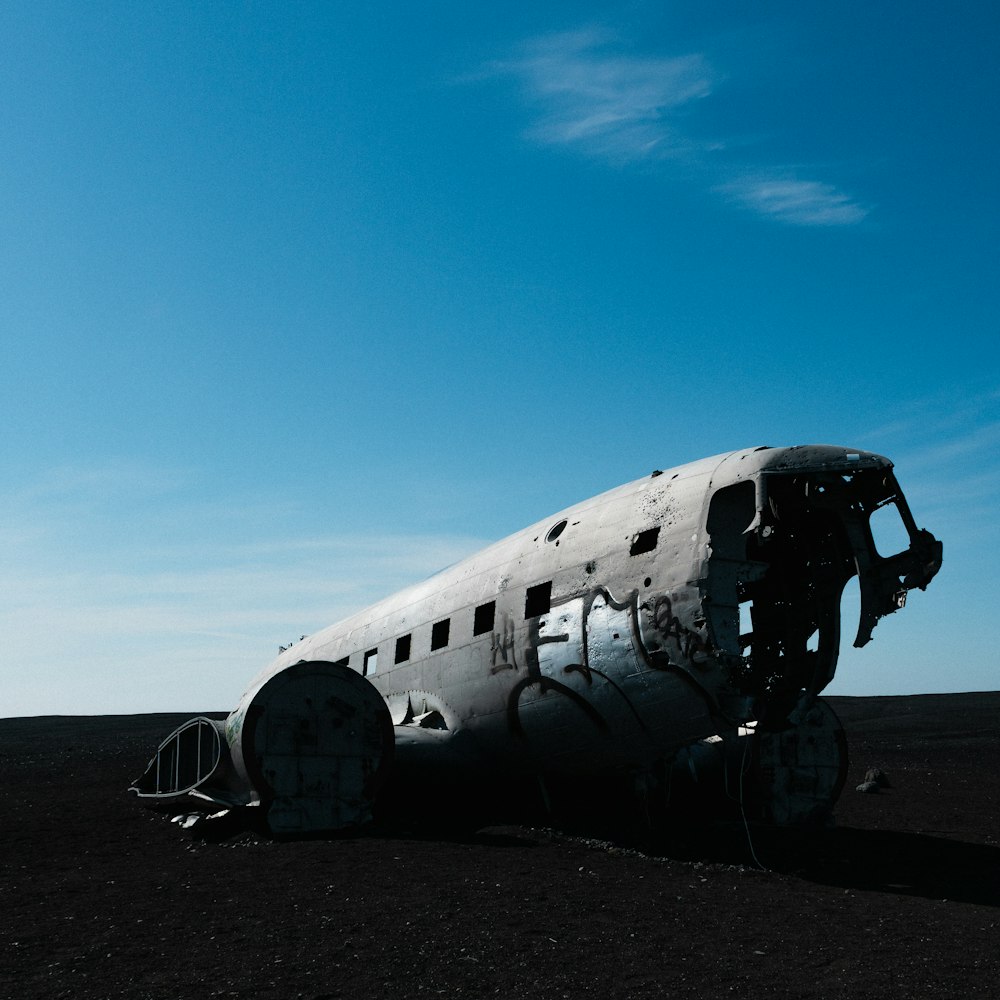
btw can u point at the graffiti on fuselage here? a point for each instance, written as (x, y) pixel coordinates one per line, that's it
(503, 655)
(588, 650)
(682, 643)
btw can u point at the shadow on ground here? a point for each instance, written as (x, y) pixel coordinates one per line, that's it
(911, 864)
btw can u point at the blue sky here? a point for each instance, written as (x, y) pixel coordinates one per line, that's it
(301, 302)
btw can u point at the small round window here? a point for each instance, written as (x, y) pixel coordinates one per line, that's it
(555, 531)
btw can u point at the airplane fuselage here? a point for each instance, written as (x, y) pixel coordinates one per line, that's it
(614, 634)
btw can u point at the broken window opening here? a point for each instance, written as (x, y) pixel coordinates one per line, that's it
(402, 649)
(537, 600)
(485, 615)
(888, 530)
(371, 663)
(746, 625)
(645, 541)
(728, 603)
(439, 634)
(342, 662)
(773, 596)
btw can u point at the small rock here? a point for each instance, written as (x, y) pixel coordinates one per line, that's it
(875, 778)
(877, 775)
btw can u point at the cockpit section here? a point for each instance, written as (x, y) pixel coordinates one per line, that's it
(783, 547)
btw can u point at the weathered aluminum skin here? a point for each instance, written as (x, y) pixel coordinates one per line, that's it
(616, 638)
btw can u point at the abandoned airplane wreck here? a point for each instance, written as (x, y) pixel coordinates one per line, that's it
(670, 637)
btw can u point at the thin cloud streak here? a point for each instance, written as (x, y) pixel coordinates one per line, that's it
(113, 638)
(179, 611)
(311, 581)
(951, 482)
(947, 413)
(980, 442)
(799, 203)
(623, 109)
(607, 105)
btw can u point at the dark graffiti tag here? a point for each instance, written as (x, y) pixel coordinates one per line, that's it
(543, 684)
(502, 652)
(589, 637)
(686, 642)
(590, 649)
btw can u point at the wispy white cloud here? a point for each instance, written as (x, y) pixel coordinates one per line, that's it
(595, 97)
(124, 603)
(946, 448)
(798, 202)
(981, 442)
(608, 104)
(961, 421)
(111, 478)
(129, 632)
(950, 414)
(226, 591)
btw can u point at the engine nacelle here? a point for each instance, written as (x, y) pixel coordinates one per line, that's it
(314, 743)
(310, 745)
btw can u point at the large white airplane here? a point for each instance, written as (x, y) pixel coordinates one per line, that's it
(672, 632)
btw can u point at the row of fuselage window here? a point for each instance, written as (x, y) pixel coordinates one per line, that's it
(537, 602)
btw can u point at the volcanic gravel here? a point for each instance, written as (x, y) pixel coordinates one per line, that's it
(100, 897)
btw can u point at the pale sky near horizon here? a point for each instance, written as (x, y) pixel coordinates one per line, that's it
(301, 302)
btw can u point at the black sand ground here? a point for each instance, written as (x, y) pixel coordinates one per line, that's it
(102, 898)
